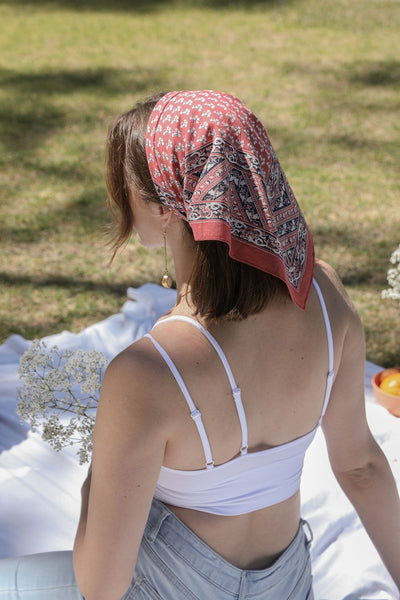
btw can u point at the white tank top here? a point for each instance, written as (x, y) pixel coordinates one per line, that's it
(251, 480)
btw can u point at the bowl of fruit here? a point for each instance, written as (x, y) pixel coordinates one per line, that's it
(386, 386)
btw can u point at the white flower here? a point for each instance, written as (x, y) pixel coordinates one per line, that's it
(56, 384)
(393, 277)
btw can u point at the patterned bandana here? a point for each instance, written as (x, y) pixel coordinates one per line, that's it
(211, 161)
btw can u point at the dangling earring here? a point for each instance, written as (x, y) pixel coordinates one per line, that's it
(166, 280)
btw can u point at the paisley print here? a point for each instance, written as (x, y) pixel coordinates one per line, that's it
(212, 162)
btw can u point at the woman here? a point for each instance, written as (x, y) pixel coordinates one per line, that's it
(202, 425)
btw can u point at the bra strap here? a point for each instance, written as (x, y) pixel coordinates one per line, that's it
(331, 373)
(194, 412)
(235, 389)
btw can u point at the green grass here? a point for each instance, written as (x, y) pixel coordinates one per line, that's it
(323, 76)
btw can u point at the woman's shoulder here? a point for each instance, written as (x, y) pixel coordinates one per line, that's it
(341, 310)
(137, 375)
(332, 287)
(138, 356)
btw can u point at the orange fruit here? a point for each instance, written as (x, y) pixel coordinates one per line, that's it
(391, 384)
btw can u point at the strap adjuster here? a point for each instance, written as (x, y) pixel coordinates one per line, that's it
(195, 414)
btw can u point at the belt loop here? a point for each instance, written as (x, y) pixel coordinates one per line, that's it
(307, 531)
(155, 528)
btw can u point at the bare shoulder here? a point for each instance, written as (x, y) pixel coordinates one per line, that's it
(334, 292)
(328, 279)
(133, 380)
(135, 363)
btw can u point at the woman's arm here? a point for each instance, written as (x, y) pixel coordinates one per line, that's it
(357, 461)
(129, 444)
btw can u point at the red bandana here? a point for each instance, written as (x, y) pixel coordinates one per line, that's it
(211, 160)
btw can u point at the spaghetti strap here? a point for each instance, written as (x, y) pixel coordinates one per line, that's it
(331, 373)
(236, 392)
(194, 412)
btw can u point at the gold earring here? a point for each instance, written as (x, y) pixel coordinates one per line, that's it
(166, 279)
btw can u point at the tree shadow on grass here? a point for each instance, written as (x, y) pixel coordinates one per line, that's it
(34, 111)
(65, 288)
(109, 81)
(74, 284)
(28, 115)
(376, 73)
(365, 144)
(92, 5)
(240, 4)
(88, 212)
(146, 6)
(85, 213)
(23, 128)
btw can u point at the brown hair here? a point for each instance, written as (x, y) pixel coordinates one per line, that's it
(221, 287)
(126, 167)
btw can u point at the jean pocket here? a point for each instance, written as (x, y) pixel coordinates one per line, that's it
(141, 590)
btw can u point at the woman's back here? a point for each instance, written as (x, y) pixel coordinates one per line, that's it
(195, 172)
(279, 359)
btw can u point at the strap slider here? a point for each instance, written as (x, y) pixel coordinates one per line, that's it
(196, 415)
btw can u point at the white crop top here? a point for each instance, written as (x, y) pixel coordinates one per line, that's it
(249, 481)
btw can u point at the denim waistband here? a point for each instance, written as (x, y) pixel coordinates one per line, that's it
(189, 549)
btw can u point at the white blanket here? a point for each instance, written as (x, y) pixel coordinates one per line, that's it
(40, 489)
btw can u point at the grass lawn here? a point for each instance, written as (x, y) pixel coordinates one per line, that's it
(323, 76)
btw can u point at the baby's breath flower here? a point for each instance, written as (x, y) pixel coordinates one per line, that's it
(393, 277)
(57, 383)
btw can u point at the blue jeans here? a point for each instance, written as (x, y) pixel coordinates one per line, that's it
(173, 564)
(47, 576)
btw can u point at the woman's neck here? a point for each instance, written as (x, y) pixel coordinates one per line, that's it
(183, 249)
